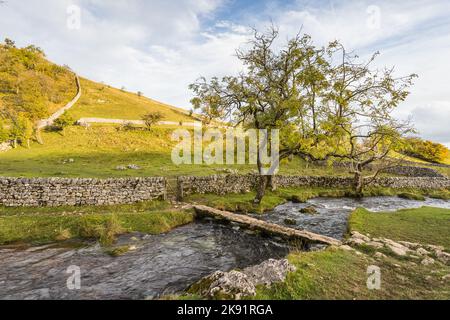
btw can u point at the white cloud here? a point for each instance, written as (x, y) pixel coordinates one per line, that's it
(159, 46)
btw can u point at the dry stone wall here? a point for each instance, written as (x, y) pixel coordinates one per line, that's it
(225, 184)
(16, 192)
(400, 170)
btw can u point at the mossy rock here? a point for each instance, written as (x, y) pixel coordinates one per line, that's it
(118, 251)
(411, 196)
(290, 222)
(297, 199)
(309, 210)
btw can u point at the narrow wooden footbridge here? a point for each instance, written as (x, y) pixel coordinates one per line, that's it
(264, 227)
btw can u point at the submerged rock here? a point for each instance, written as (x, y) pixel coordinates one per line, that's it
(290, 222)
(297, 199)
(309, 210)
(238, 284)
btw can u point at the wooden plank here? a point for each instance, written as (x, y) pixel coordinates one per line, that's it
(267, 227)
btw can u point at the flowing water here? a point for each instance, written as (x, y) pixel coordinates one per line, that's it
(169, 263)
(333, 213)
(161, 264)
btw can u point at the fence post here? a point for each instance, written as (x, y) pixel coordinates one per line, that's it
(179, 190)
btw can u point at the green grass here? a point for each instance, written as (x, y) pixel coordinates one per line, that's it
(101, 101)
(47, 225)
(139, 207)
(335, 274)
(411, 196)
(97, 152)
(425, 225)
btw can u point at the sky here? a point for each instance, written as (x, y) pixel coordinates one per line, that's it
(159, 47)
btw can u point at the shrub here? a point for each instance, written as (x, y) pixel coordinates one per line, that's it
(128, 126)
(62, 122)
(152, 118)
(22, 130)
(424, 150)
(4, 133)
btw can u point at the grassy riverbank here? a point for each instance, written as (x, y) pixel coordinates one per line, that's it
(339, 274)
(47, 225)
(425, 225)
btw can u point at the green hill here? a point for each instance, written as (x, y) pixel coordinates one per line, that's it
(35, 87)
(102, 101)
(31, 85)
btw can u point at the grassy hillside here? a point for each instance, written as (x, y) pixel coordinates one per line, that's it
(97, 151)
(30, 84)
(102, 101)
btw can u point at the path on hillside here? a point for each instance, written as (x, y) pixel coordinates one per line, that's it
(49, 121)
(84, 121)
(195, 124)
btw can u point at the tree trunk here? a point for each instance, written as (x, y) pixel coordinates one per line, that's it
(359, 183)
(39, 136)
(261, 189)
(261, 183)
(271, 183)
(15, 143)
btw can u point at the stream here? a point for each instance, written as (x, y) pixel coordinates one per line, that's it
(333, 213)
(168, 263)
(160, 265)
